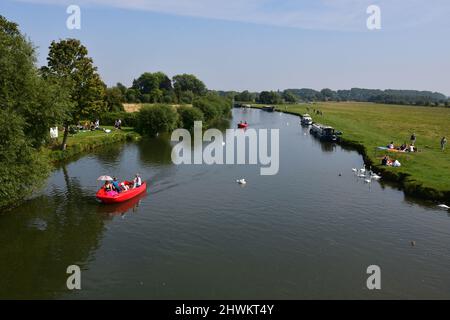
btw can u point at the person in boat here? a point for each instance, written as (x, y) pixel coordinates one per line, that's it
(116, 186)
(245, 122)
(108, 186)
(137, 181)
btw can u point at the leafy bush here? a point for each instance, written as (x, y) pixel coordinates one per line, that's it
(23, 169)
(157, 118)
(188, 115)
(213, 107)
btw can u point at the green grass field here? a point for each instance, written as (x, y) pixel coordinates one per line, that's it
(85, 141)
(375, 125)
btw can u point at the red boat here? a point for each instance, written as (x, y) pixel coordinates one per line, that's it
(114, 197)
(242, 125)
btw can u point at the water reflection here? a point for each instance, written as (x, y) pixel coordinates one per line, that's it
(40, 239)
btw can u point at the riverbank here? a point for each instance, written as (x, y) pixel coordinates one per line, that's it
(85, 141)
(365, 126)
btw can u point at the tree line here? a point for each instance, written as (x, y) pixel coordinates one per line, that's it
(389, 96)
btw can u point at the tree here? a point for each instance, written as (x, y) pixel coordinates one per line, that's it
(114, 98)
(23, 170)
(188, 82)
(269, 97)
(245, 96)
(157, 85)
(289, 97)
(69, 64)
(153, 119)
(188, 115)
(29, 105)
(40, 103)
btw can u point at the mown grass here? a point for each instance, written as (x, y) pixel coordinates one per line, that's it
(85, 141)
(373, 125)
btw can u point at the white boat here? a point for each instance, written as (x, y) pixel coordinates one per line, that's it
(306, 120)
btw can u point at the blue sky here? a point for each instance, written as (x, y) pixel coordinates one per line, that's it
(254, 44)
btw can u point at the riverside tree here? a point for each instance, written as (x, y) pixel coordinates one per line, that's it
(29, 105)
(188, 86)
(70, 65)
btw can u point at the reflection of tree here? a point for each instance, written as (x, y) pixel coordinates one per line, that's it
(156, 150)
(109, 153)
(43, 237)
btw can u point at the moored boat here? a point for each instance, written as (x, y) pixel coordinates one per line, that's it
(269, 108)
(324, 133)
(306, 120)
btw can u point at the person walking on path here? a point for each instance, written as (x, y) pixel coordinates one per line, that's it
(413, 139)
(443, 143)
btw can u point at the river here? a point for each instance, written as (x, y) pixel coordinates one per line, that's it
(309, 232)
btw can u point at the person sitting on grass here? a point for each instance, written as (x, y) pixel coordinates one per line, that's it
(391, 145)
(402, 147)
(443, 143)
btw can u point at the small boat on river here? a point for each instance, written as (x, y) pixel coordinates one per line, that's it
(324, 133)
(306, 120)
(115, 197)
(269, 108)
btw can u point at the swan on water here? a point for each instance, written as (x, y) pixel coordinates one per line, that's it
(375, 176)
(354, 169)
(241, 181)
(368, 181)
(443, 206)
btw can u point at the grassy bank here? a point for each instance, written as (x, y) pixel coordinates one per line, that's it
(424, 174)
(89, 140)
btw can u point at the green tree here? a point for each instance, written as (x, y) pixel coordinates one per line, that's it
(289, 97)
(269, 97)
(188, 83)
(114, 98)
(157, 85)
(188, 115)
(153, 119)
(23, 169)
(39, 102)
(68, 63)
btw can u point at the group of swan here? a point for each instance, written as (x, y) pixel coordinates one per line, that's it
(367, 175)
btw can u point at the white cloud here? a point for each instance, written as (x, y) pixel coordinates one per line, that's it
(312, 14)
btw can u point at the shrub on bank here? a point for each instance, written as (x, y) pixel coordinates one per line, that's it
(188, 115)
(157, 118)
(213, 107)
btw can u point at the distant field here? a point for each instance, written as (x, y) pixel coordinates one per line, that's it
(377, 124)
(134, 107)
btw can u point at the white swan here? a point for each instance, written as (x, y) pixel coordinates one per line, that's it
(354, 169)
(223, 143)
(361, 175)
(241, 181)
(375, 176)
(443, 206)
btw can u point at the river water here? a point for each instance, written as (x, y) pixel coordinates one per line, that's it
(308, 232)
